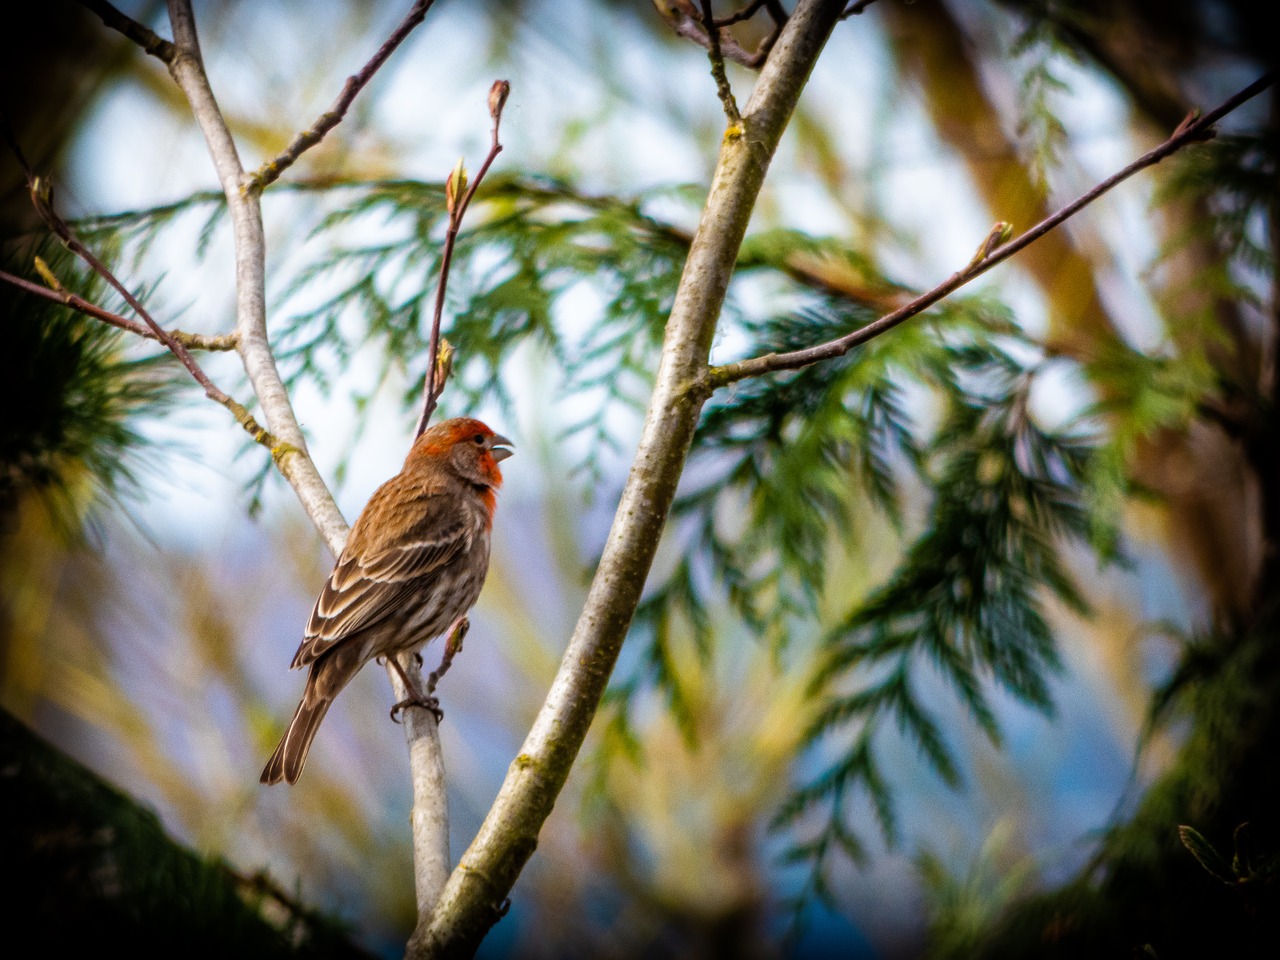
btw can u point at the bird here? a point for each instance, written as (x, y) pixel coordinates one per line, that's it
(412, 566)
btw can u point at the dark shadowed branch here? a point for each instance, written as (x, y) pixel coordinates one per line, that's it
(142, 35)
(856, 8)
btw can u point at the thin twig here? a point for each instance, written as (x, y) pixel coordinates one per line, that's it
(779, 17)
(746, 13)
(1193, 129)
(270, 171)
(150, 41)
(856, 8)
(686, 21)
(42, 197)
(438, 366)
(723, 90)
(776, 12)
(59, 294)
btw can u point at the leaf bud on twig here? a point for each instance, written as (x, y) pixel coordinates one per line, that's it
(444, 363)
(48, 276)
(997, 238)
(498, 97)
(456, 185)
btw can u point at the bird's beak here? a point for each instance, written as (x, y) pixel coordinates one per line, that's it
(499, 447)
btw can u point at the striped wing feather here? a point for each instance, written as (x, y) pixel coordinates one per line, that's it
(366, 587)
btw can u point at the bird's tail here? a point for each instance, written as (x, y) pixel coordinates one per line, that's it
(290, 756)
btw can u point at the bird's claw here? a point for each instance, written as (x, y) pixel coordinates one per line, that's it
(429, 703)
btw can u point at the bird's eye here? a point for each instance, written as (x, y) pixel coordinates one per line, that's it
(478, 438)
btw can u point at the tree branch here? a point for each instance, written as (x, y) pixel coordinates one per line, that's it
(59, 294)
(431, 844)
(746, 13)
(253, 346)
(854, 9)
(142, 35)
(270, 171)
(686, 20)
(42, 199)
(430, 813)
(426, 760)
(473, 898)
(1193, 129)
(723, 90)
(438, 364)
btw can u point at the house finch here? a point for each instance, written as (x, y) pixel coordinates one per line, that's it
(412, 567)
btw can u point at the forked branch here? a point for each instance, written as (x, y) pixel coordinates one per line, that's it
(716, 56)
(42, 198)
(1195, 128)
(477, 889)
(56, 292)
(252, 344)
(687, 21)
(270, 171)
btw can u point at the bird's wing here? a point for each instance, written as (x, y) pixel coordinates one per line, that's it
(368, 584)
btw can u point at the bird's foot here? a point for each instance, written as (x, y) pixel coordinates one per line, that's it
(426, 703)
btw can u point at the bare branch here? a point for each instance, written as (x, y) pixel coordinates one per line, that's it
(1193, 129)
(270, 171)
(723, 90)
(746, 13)
(426, 761)
(42, 198)
(777, 13)
(855, 8)
(142, 35)
(177, 342)
(686, 20)
(59, 294)
(250, 253)
(473, 898)
(439, 364)
(429, 818)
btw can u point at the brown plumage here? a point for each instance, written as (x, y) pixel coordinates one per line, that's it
(412, 567)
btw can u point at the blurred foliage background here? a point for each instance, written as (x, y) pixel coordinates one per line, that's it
(946, 639)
